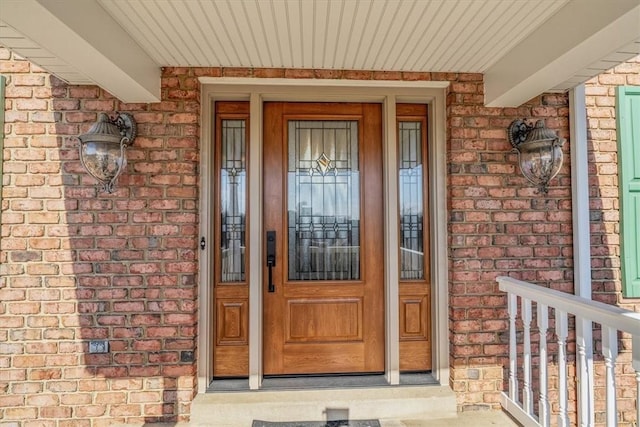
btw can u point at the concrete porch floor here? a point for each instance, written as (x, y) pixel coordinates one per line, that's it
(462, 419)
(408, 406)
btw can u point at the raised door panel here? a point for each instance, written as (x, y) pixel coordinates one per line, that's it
(232, 322)
(415, 342)
(414, 313)
(324, 321)
(231, 350)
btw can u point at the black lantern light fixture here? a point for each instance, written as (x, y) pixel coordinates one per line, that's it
(103, 148)
(539, 151)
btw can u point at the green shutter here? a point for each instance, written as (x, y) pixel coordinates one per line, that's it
(628, 125)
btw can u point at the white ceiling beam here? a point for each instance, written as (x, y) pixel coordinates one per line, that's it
(84, 35)
(581, 33)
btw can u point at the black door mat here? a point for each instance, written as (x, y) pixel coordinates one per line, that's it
(340, 423)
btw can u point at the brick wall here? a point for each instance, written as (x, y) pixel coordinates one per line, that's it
(498, 226)
(78, 265)
(604, 222)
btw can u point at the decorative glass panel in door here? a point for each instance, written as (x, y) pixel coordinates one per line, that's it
(411, 200)
(232, 200)
(323, 200)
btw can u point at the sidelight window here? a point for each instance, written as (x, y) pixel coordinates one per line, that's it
(233, 186)
(411, 181)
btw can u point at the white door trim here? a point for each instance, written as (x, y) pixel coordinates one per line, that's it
(257, 91)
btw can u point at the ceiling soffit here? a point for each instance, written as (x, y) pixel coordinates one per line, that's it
(521, 46)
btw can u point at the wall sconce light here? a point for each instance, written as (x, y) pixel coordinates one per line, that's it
(539, 151)
(103, 148)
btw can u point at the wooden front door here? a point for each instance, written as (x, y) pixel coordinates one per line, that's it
(323, 215)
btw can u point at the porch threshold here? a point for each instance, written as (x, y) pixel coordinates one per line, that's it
(320, 382)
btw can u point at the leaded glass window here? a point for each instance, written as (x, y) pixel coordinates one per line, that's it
(411, 200)
(233, 185)
(323, 200)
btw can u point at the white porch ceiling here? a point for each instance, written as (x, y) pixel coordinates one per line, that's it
(523, 47)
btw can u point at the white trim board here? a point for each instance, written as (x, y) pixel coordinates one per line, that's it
(257, 91)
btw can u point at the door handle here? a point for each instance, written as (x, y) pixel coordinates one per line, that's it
(271, 257)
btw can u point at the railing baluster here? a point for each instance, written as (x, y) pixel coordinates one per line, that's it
(610, 353)
(562, 330)
(543, 324)
(527, 395)
(584, 339)
(512, 306)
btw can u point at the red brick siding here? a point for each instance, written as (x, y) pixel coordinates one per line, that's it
(604, 220)
(498, 225)
(77, 265)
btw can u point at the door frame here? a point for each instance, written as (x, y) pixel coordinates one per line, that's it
(388, 93)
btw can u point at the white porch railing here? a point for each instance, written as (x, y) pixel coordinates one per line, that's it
(523, 297)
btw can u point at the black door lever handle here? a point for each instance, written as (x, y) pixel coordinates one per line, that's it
(271, 257)
(272, 287)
